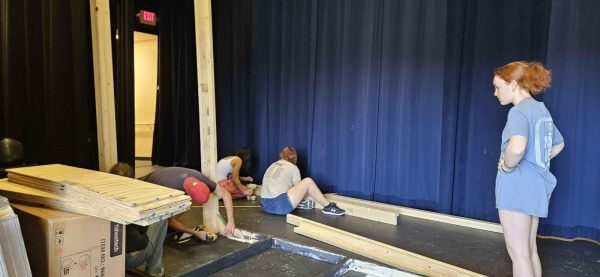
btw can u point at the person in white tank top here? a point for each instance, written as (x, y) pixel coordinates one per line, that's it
(228, 173)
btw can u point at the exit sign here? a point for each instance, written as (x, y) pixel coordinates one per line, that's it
(146, 17)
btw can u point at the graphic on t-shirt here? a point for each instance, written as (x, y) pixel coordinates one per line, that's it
(274, 171)
(543, 141)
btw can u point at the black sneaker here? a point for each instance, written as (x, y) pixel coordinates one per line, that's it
(333, 209)
(306, 205)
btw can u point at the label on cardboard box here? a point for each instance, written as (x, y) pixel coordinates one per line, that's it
(91, 262)
(116, 239)
(77, 265)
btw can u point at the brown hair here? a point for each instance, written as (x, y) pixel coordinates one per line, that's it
(122, 169)
(532, 76)
(288, 153)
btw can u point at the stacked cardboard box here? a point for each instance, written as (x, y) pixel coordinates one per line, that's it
(64, 244)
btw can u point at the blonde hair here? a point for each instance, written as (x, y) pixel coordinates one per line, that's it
(532, 76)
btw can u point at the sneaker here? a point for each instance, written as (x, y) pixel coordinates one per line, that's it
(306, 205)
(181, 236)
(333, 209)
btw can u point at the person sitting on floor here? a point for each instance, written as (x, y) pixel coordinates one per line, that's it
(229, 170)
(283, 191)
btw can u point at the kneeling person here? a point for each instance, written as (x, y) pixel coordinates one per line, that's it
(199, 188)
(283, 191)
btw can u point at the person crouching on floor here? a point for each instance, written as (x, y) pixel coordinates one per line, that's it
(283, 191)
(143, 244)
(198, 187)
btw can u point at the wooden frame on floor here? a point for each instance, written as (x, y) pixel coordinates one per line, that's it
(399, 210)
(375, 250)
(366, 212)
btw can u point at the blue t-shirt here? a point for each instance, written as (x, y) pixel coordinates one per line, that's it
(531, 119)
(173, 177)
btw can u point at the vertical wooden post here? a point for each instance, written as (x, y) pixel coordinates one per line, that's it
(206, 104)
(103, 84)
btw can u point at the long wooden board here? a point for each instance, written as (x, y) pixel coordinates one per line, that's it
(375, 250)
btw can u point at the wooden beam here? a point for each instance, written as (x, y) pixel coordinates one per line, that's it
(103, 84)
(206, 87)
(375, 250)
(212, 219)
(439, 217)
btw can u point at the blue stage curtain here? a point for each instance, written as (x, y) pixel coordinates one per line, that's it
(494, 33)
(282, 81)
(574, 58)
(348, 55)
(393, 100)
(409, 123)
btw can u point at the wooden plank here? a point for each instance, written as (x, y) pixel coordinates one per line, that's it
(366, 212)
(375, 250)
(123, 200)
(103, 83)
(154, 212)
(438, 217)
(212, 219)
(206, 87)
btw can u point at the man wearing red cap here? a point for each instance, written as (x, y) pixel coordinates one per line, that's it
(199, 188)
(145, 243)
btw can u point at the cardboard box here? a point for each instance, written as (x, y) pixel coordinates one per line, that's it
(64, 244)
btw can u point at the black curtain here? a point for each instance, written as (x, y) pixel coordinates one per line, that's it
(232, 37)
(47, 81)
(122, 21)
(177, 134)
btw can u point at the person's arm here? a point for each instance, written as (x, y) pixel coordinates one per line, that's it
(235, 175)
(247, 178)
(556, 149)
(515, 150)
(226, 196)
(177, 225)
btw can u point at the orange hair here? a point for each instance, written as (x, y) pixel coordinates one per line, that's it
(288, 153)
(532, 76)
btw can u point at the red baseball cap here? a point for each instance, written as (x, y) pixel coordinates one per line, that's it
(197, 190)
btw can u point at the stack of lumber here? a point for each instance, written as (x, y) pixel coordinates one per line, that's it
(112, 197)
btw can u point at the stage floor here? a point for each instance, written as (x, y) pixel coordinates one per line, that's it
(479, 251)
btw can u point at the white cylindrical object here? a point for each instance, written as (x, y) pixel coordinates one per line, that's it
(11, 242)
(3, 269)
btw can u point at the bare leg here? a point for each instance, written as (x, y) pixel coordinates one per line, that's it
(535, 258)
(304, 187)
(517, 228)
